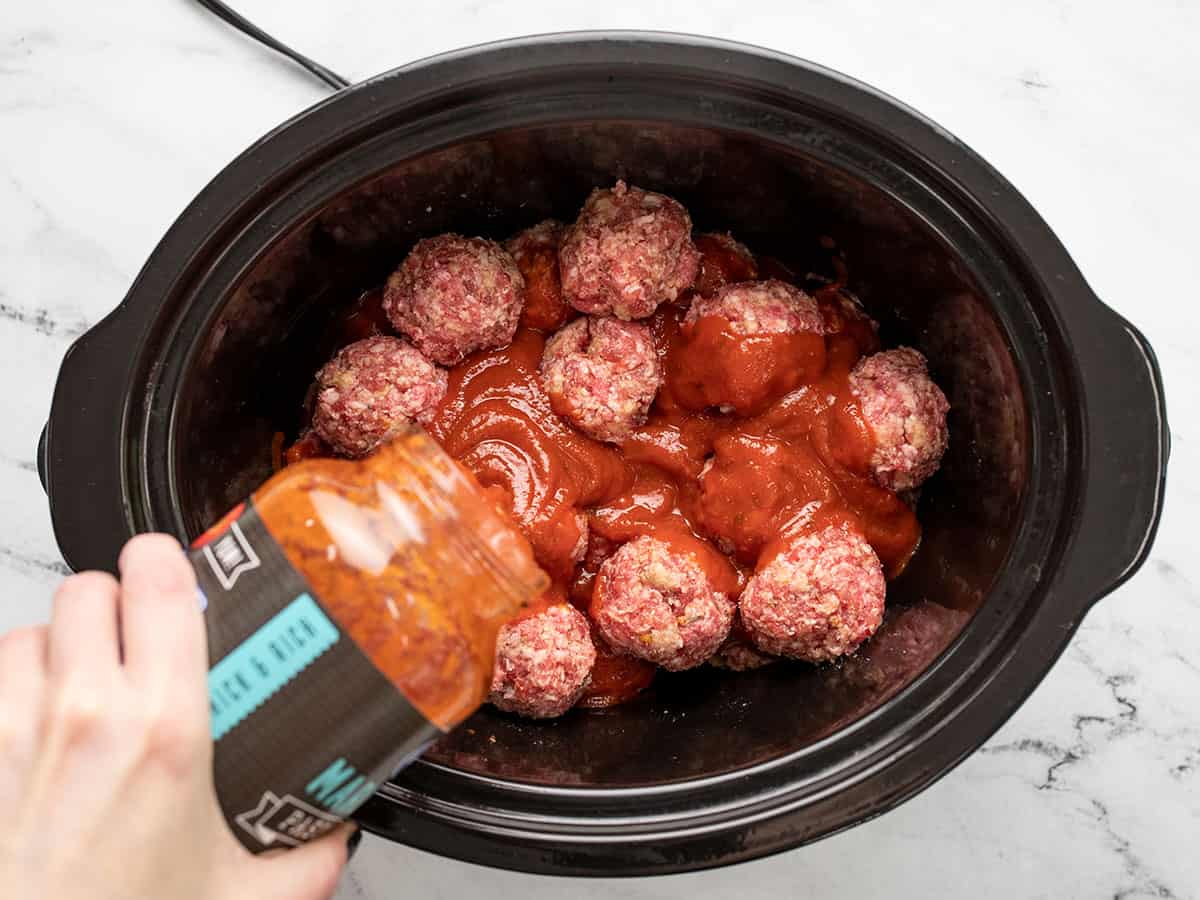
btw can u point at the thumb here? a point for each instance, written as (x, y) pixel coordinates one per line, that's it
(309, 872)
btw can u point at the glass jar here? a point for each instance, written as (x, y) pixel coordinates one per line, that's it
(353, 607)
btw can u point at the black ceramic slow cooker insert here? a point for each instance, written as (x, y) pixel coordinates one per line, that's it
(1048, 498)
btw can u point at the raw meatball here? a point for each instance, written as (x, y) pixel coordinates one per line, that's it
(579, 551)
(599, 548)
(536, 253)
(738, 653)
(844, 314)
(628, 251)
(723, 260)
(657, 604)
(906, 413)
(371, 391)
(761, 307)
(543, 663)
(601, 375)
(453, 295)
(746, 346)
(818, 599)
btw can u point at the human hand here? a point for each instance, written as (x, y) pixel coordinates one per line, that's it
(106, 755)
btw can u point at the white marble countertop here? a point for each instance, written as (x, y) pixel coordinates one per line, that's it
(113, 115)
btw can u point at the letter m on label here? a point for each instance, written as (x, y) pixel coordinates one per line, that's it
(328, 782)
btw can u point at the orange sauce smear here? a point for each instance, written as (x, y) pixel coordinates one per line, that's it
(414, 562)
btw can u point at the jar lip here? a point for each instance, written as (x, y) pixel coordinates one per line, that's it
(437, 477)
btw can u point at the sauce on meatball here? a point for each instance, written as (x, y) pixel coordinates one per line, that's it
(745, 346)
(685, 478)
(723, 260)
(535, 251)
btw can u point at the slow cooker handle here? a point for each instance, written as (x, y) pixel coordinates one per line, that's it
(41, 455)
(80, 454)
(1128, 444)
(82, 449)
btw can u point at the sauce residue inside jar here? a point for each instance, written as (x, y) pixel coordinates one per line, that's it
(412, 560)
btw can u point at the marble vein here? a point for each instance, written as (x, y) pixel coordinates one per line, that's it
(42, 320)
(35, 563)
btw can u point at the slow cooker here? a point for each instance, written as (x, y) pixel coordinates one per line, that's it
(164, 413)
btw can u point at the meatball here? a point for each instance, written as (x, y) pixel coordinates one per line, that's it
(723, 260)
(543, 662)
(746, 346)
(371, 391)
(536, 253)
(601, 375)
(816, 600)
(754, 485)
(738, 653)
(579, 550)
(599, 548)
(657, 604)
(628, 251)
(906, 413)
(453, 295)
(761, 307)
(844, 314)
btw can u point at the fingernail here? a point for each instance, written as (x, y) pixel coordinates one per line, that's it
(352, 843)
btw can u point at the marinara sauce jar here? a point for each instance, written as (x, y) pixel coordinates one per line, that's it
(352, 611)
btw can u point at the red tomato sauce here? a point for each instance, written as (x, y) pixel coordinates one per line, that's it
(615, 679)
(709, 365)
(720, 265)
(545, 308)
(730, 487)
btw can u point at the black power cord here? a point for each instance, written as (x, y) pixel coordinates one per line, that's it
(244, 25)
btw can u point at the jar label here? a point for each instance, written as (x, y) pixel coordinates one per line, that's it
(305, 727)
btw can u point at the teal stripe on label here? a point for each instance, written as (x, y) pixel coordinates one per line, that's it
(267, 660)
